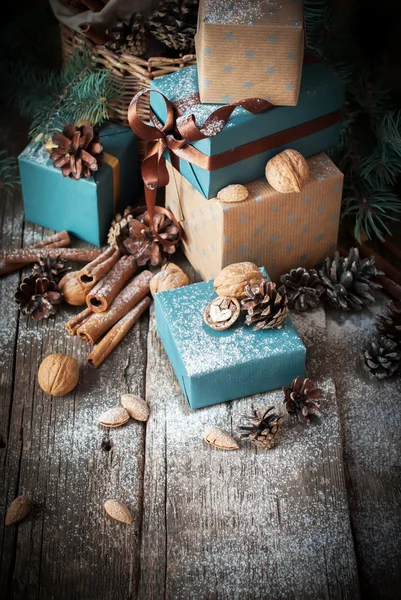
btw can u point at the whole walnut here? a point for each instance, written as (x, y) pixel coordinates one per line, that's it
(232, 280)
(287, 172)
(58, 374)
(169, 278)
(74, 292)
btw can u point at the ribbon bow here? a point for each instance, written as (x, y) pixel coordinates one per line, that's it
(174, 135)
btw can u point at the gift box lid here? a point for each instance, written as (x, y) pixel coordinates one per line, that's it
(322, 93)
(214, 366)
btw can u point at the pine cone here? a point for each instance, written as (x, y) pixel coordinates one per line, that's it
(266, 306)
(174, 24)
(38, 296)
(389, 323)
(78, 153)
(263, 428)
(382, 359)
(348, 281)
(119, 230)
(143, 243)
(51, 268)
(301, 397)
(129, 37)
(304, 288)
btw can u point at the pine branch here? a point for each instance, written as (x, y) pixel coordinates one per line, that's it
(9, 177)
(370, 211)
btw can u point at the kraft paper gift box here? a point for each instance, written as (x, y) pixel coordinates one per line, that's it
(246, 49)
(279, 231)
(216, 366)
(86, 207)
(310, 127)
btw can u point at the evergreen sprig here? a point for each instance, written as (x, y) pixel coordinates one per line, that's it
(369, 152)
(9, 177)
(79, 92)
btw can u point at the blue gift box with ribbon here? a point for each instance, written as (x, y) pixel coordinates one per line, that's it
(239, 152)
(84, 208)
(216, 366)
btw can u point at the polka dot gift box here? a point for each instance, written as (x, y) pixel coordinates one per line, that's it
(278, 231)
(250, 48)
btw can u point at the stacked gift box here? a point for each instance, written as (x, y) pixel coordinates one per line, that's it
(245, 50)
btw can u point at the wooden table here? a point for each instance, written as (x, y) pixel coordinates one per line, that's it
(317, 517)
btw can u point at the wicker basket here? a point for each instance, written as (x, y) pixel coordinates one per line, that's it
(133, 72)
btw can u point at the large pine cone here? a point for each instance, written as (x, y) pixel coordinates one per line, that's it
(263, 428)
(389, 323)
(79, 152)
(38, 296)
(382, 358)
(174, 24)
(304, 288)
(348, 281)
(129, 37)
(301, 397)
(145, 245)
(266, 306)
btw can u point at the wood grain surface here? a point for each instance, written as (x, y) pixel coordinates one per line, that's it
(317, 517)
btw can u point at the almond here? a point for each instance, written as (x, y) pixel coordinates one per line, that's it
(114, 417)
(18, 510)
(233, 193)
(136, 407)
(118, 511)
(220, 439)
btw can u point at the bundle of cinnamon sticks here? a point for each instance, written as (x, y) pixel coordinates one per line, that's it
(115, 300)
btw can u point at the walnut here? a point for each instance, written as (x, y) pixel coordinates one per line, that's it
(232, 280)
(169, 278)
(74, 292)
(58, 374)
(287, 172)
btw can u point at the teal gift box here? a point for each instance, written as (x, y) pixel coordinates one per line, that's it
(216, 366)
(86, 207)
(310, 127)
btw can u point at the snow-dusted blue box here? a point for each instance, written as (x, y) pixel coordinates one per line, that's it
(86, 207)
(310, 127)
(216, 366)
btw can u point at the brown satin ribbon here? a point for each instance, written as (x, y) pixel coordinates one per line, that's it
(175, 134)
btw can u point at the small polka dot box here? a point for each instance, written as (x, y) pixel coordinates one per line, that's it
(250, 48)
(216, 366)
(310, 127)
(279, 231)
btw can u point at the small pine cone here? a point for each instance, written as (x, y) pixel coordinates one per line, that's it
(265, 305)
(304, 288)
(119, 229)
(174, 24)
(263, 428)
(382, 358)
(301, 397)
(79, 152)
(129, 37)
(389, 323)
(38, 296)
(145, 245)
(348, 280)
(52, 268)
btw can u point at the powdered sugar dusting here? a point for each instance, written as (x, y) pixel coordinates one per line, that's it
(253, 12)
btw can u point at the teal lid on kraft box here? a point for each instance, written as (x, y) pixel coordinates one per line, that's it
(321, 95)
(217, 366)
(84, 208)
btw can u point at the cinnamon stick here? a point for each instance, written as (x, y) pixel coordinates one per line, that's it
(104, 292)
(392, 247)
(102, 263)
(389, 286)
(58, 240)
(116, 333)
(93, 329)
(73, 324)
(97, 37)
(30, 255)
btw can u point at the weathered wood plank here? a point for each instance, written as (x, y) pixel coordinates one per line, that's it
(11, 237)
(247, 524)
(69, 466)
(371, 425)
